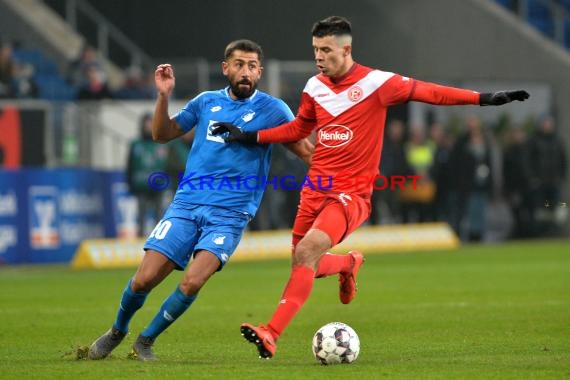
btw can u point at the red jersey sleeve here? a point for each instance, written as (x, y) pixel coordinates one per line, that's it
(295, 130)
(400, 89)
(437, 94)
(396, 90)
(307, 108)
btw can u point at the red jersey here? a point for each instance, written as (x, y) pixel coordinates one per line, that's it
(349, 115)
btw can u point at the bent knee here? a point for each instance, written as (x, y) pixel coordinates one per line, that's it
(191, 286)
(306, 254)
(141, 284)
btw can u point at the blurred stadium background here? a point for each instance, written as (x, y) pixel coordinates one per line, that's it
(64, 143)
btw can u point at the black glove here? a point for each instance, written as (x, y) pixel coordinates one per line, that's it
(235, 134)
(502, 97)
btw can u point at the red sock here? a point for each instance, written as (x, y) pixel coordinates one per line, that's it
(332, 264)
(294, 296)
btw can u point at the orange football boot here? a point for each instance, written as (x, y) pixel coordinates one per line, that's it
(347, 280)
(261, 337)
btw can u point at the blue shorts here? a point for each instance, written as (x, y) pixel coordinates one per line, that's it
(187, 229)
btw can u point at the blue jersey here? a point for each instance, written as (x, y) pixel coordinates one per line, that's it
(229, 175)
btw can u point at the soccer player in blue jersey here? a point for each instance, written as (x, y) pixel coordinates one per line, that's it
(213, 204)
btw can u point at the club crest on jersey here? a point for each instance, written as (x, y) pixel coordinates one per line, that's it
(354, 93)
(248, 116)
(334, 135)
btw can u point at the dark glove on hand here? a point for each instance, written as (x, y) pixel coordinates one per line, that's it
(502, 97)
(235, 134)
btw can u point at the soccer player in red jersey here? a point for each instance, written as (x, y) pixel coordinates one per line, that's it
(346, 103)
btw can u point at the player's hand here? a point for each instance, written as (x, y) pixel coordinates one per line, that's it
(234, 133)
(502, 97)
(164, 79)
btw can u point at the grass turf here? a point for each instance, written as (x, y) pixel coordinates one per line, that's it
(482, 312)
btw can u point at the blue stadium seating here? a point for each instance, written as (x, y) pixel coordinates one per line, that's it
(42, 65)
(567, 33)
(54, 87)
(51, 84)
(509, 4)
(540, 16)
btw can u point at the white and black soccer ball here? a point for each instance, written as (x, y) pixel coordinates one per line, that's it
(336, 343)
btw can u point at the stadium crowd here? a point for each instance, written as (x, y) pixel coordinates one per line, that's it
(26, 73)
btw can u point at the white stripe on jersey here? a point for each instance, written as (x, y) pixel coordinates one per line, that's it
(335, 104)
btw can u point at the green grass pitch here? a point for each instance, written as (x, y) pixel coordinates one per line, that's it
(481, 312)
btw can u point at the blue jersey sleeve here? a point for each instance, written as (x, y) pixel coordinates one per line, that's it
(187, 117)
(287, 113)
(277, 112)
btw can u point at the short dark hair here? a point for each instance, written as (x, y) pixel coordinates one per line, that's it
(332, 26)
(243, 45)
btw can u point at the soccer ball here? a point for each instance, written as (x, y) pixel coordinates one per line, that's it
(336, 343)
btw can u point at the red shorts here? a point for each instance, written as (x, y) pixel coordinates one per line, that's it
(337, 215)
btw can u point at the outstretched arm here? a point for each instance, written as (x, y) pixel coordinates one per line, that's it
(294, 130)
(443, 95)
(164, 128)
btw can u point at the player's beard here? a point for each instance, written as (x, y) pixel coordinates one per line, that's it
(243, 92)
